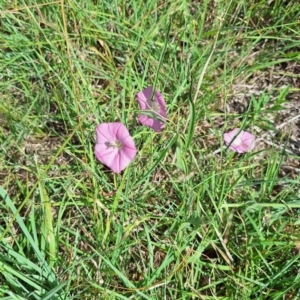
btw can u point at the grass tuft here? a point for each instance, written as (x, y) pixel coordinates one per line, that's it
(188, 219)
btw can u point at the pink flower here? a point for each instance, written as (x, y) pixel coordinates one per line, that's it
(243, 141)
(114, 146)
(155, 110)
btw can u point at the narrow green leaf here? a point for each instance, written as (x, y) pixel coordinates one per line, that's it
(48, 224)
(47, 272)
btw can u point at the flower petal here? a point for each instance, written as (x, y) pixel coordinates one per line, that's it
(248, 140)
(128, 143)
(145, 120)
(107, 156)
(104, 133)
(120, 131)
(144, 96)
(157, 126)
(126, 155)
(243, 140)
(228, 136)
(158, 97)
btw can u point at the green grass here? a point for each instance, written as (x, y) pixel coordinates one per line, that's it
(188, 219)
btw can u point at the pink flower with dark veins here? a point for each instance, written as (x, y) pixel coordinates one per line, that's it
(115, 147)
(239, 141)
(155, 111)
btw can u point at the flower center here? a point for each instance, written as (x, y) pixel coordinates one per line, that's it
(154, 106)
(238, 141)
(116, 145)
